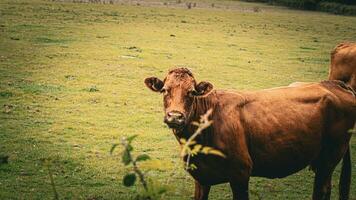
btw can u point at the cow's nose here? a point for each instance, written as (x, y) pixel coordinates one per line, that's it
(175, 114)
(174, 118)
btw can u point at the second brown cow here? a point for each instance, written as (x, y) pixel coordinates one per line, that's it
(343, 64)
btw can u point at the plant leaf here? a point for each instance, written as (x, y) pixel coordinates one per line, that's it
(206, 150)
(126, 157)
(129, 147)
(192, 167)
(131, 138)
(196, 149)
(217, 153)
(129, 180)
(182, 141)
(196, 124)
(113, 147)
(142, 157)
(192, 142)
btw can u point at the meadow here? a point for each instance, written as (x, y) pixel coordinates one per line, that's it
(71, 85)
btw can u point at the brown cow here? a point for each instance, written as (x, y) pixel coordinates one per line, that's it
(343, 64)
(270, 133)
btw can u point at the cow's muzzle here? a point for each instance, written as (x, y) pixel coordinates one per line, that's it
(174, 119)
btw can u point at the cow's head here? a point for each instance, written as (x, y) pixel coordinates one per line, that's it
(179, 89)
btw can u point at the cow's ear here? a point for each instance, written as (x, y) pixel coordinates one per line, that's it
(203, 88)
(154, 84)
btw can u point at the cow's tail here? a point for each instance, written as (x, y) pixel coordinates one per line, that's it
(345, 178)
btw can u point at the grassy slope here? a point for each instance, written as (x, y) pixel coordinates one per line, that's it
(51, 54)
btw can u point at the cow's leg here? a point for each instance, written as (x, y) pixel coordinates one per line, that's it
(322, 184)
(329, 157)
(201, 191)
(239, 190)
(240, 173)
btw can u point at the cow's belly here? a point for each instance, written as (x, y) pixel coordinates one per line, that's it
(210, 170)
(286, 155)
(287, 139)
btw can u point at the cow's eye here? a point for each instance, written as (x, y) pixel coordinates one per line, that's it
(192, 93)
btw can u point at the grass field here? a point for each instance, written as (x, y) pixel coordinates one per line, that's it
(71, 85)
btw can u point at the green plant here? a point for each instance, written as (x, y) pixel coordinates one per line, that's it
(190, 148)
(129, 179)
(93, 88)
(127, 158)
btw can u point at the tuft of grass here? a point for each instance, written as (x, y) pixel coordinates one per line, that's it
(92, 88)
(5, 94)
(50, 41)
(308, 48)
(36, 88)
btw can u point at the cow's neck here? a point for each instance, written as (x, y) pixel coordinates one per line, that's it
(200, 106)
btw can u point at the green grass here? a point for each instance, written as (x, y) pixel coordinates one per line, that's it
(71, 85)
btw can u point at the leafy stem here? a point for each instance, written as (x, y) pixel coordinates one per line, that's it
(127, 151)
(127, 158)
(189, 151)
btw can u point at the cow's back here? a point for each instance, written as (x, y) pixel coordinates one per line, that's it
(287, 125)
(343, 64)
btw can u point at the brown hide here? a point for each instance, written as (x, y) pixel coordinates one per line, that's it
(275, 132)
(343, 64)
(269, 133)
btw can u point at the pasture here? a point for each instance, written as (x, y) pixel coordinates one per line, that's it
(71, 85)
